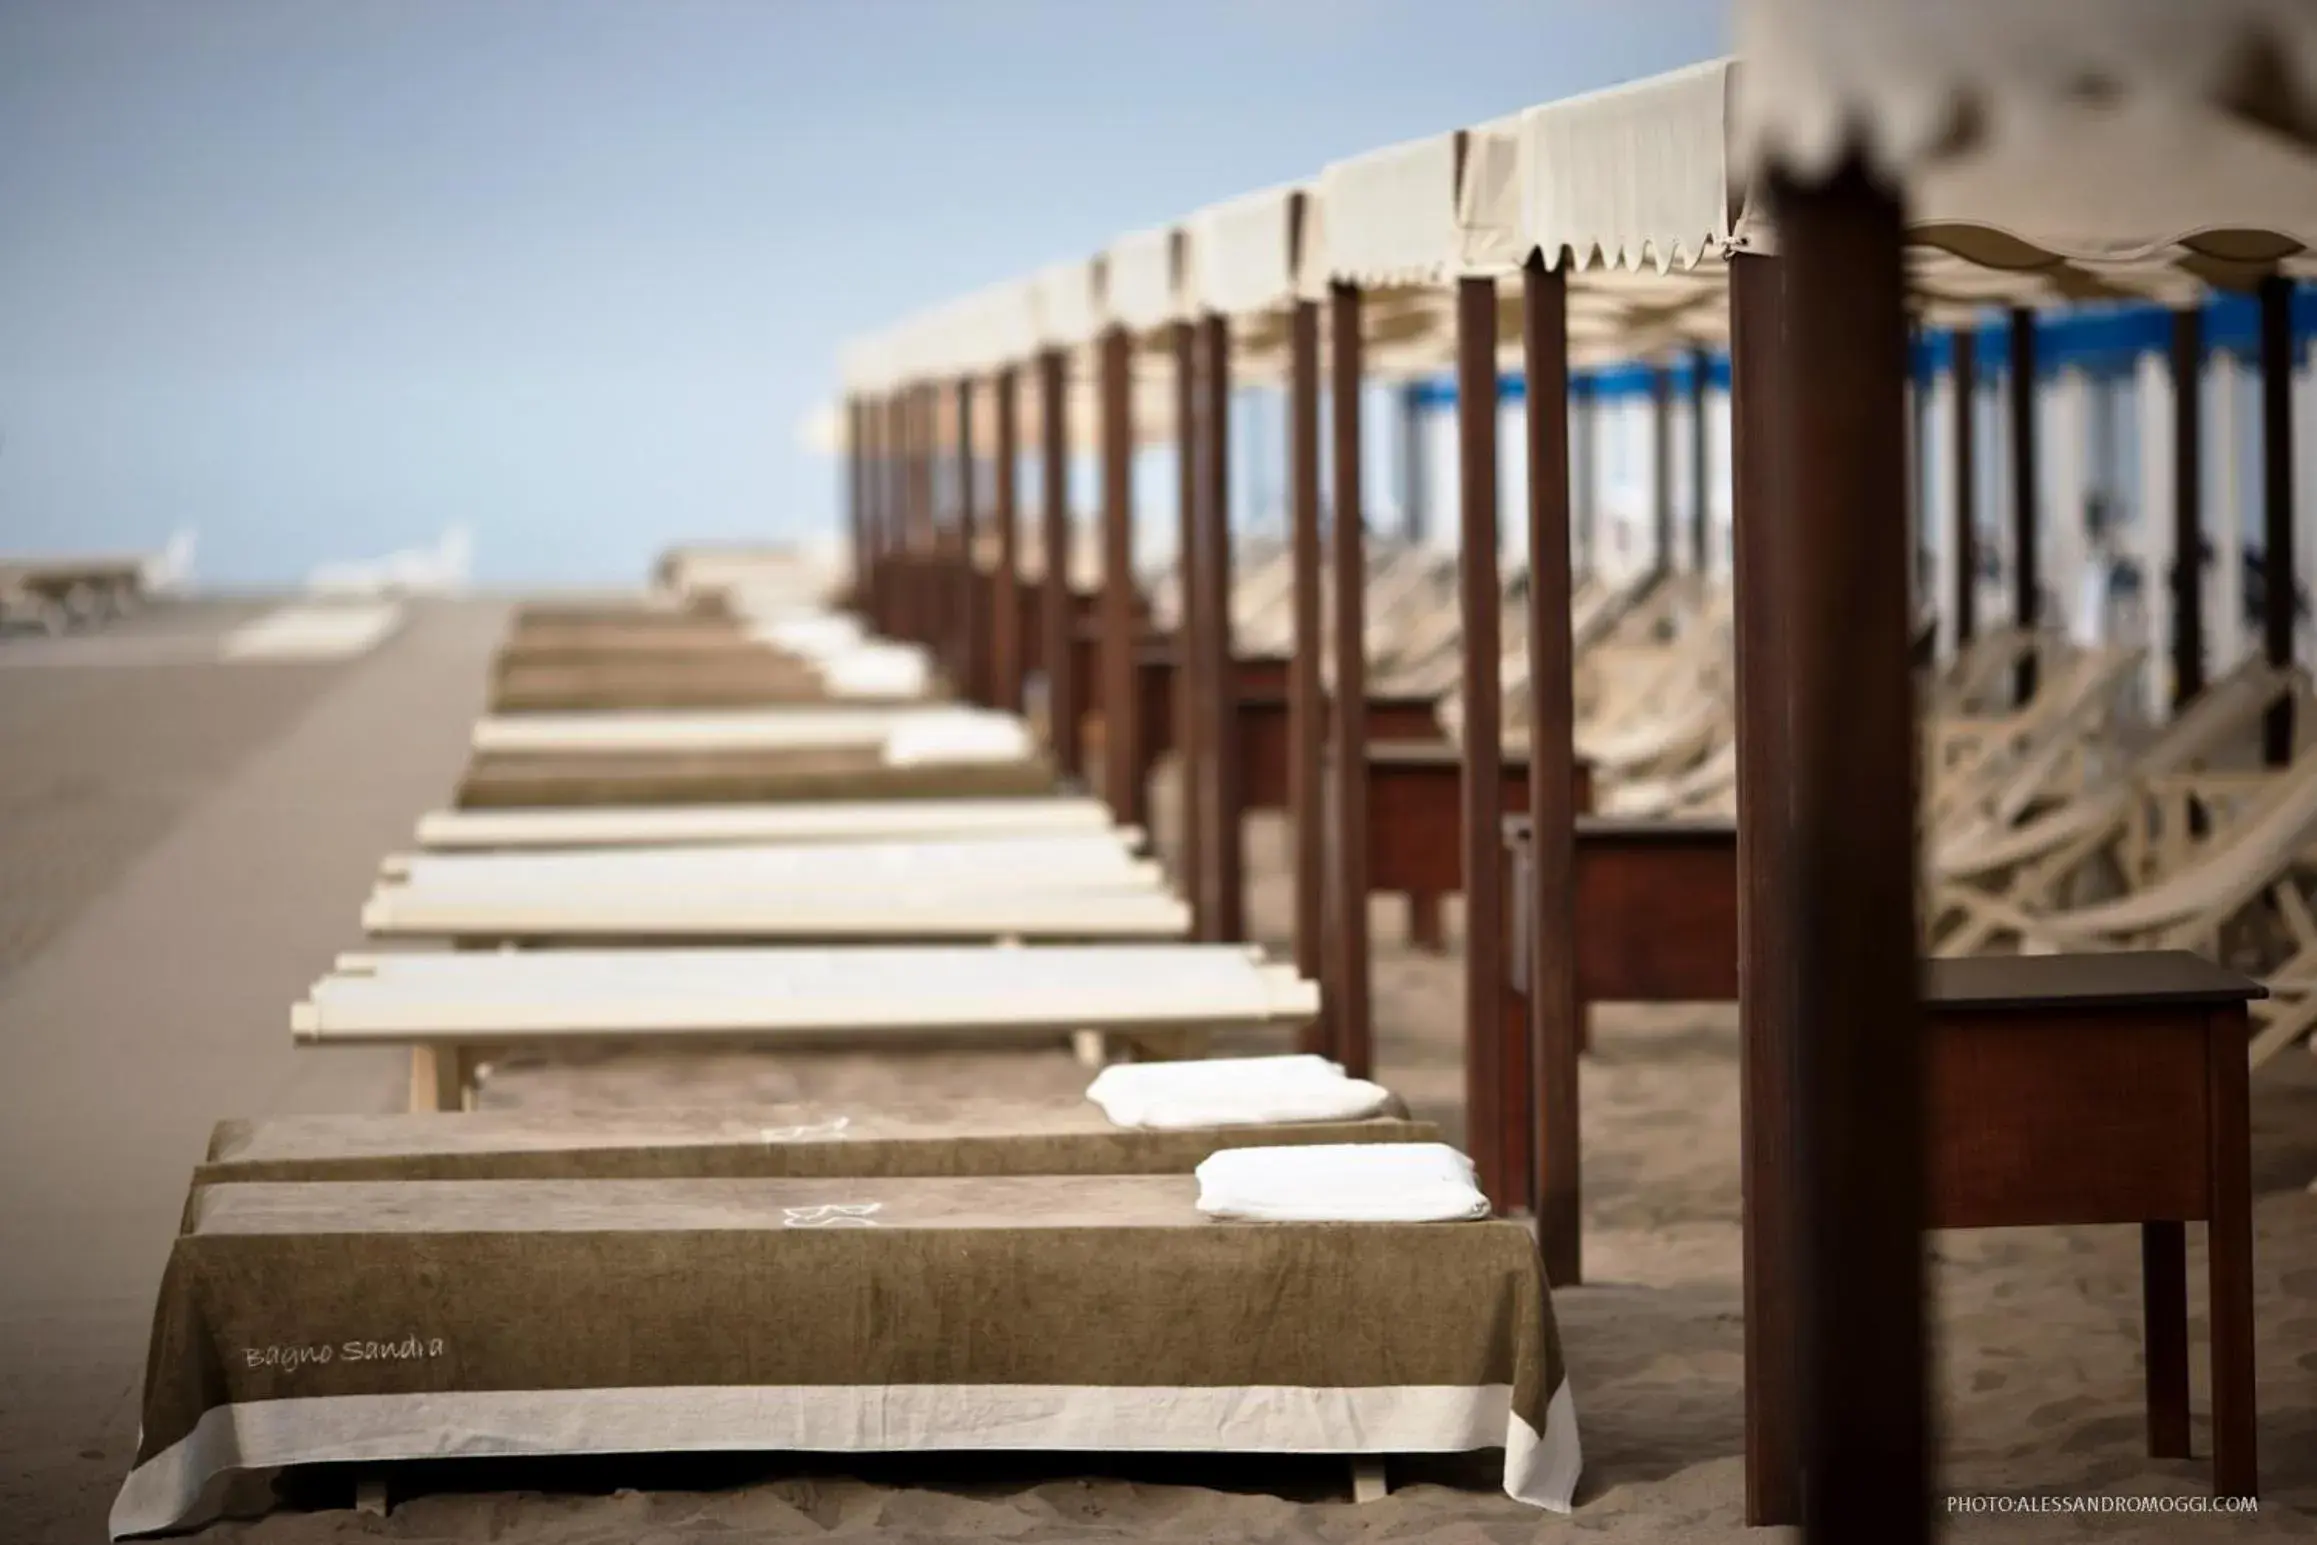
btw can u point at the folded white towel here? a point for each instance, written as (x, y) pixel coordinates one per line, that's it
(1342, 1183)
(883, 671)
(1232, 1092)
(814, 636)
(957, 738)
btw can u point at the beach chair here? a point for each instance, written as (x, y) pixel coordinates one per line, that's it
(2066, 806)
(2240, 896)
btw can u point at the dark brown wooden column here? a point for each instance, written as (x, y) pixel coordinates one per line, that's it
(1121, 724)
(972, 650)
(856, 514)
(865, 570)
(2279, 567)
(1966, 485)
(1005, 588)
(1062, 698)
(1765, 969)
(1348, 874)
(1226, 869)
(2187, 576)
(1501, 1155)
(893, 503)
(1700, 509)
(1555, 1025)
(1190, 723)
(1306, 706)
(1849, 888)
(2026, 537)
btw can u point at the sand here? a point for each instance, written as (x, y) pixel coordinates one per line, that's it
(2038, 1335)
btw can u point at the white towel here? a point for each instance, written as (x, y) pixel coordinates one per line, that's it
(815, 636)
(881, 671)
(957, 738)
(1232, 1092)
(1342, 1183)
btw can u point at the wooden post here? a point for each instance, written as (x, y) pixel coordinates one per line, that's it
(892, 580)
(1347, 530)
(1850, 882)
(2187, 576)
(1227, 893)
(1189, 722)
(1061, 677)
(1966, 485)
(856, 512)
(1306, 706)
(1005, 589)
(972, 657)
(1701, 520)
(1661, 464)
(1765, 969)
(1555, 1028)
(1500, 1155)
(1121, 724)
(2280, 572)
(2027, 585)
(865, 576)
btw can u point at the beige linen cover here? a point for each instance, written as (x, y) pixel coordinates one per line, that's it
(368, 1322)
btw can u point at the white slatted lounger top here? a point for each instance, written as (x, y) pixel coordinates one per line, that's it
(1096, 910)
(647, 825)
(1035, 988)
(754, 729)
(1003, 861)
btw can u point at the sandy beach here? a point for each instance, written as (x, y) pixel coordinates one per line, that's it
(146, 995)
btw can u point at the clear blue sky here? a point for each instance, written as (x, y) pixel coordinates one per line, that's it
(322, 277)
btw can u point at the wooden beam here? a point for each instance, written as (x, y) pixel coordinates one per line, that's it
(1121, 724)
(1966, 485)
(1006, 643)
(2187, 576)
(1661, 465)
(1501, 1154)
(972, 656)
(1765, 968)
(1555, 1015)
(1190, 722)
(2027, 584)
(1062, 696)
(1226, 868)
(1847, 894)
(2280, 570)
(1347, 529)
(1306, 707)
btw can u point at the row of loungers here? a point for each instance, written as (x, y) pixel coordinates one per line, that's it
(993, 1274)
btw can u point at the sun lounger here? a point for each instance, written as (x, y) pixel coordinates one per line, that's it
(2057, 837)
(822, 727)
(459, 830)
(1001, 860)
(455, 1010)
(989, 1136)
(363, 1323)
(745, 777)
(2261, 858)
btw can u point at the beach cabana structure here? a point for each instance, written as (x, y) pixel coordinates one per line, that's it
(1608, 215)
(2084, 136)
